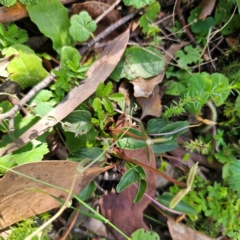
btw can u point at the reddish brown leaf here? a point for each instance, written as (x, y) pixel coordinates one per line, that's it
(207, 7)
(151, 106)
(120, 209)
(98, 72)
(181, 231)
(18, 201)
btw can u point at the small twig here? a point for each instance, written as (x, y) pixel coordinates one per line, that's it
(107, 31)
(99, 18)
(11, 113)
(71, 225)
(183, 23)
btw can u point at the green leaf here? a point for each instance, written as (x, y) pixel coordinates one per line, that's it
(127, 142)
(131, 176)
(42, 109)
(175, 89)
(137, 3)
(97, 104)
(189, 55)
(82, 26)
(164, 147)
(141, 171)
(10, 34)
(29, 2)
(41, 102)
(107, 90)
(139, 62)
(8, 3)
(87, 191)
(201, 26)
(143, 234)
(52, 20)
(237, 105)
(116, 97)
(203, 87)
(174, 127)
(90, 153)
(150, 16)
(31, 153)
(70, 58)
(78, 115)
(223, 11)
(152, 11)
(21, 125)
(119, 98)
(182, 206)
(232, 26)
(155, 125)
(78, 122)
(108, 105)
(82, 141)
(100, 90)
(7, 161)
(42, 97)
(142, 187)
(27, 69)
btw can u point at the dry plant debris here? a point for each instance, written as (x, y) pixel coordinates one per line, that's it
(143, 95)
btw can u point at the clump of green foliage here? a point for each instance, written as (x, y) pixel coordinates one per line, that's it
(218, 208)
(28, 226)
(11, 34)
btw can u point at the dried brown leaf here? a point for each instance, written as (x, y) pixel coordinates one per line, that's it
(207, 8)
(120, 209)
(18, 200)
(98, 72)
(181, 231)
(152, 105)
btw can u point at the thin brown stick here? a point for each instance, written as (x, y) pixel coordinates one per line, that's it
(71, 225)
(123, 156)
(183, 23)
(11, 113)
(107, 31)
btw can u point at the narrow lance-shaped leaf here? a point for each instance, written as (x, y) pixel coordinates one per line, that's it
(142, 187)
(181, 194)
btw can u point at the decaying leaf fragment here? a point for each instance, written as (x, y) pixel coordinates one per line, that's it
(120, 209)
(181, 231)
(19, 198)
